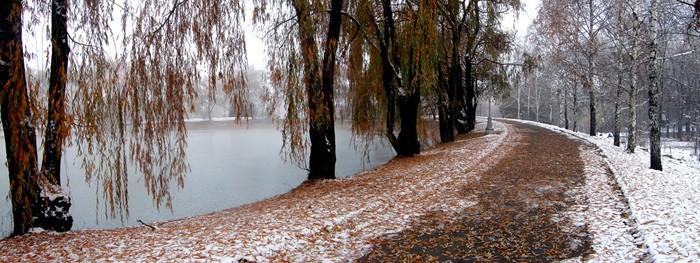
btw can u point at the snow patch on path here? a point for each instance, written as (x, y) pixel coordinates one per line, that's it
(665, 205)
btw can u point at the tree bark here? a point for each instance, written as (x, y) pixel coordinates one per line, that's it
(455, 81)
(618, 97)
(575, 121)
(408, 101)
(654, 132)
(20, 139)
(446, 115)
(518, 96)
(566, 111)
(408, 136)
(319, 81)
(632, 126)
(537, 100)
(56, 128)
(589, 74)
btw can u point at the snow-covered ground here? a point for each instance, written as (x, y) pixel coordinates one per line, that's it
(327, 221)
(665, 206)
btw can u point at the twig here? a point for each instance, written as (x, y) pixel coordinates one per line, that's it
(143, 223)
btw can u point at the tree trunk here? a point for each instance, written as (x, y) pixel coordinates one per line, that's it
(20, 139)
(632, 127)
(319, 88)
(654, 132)
(528, 115)
(618, 97)
(592, 110)
(56, 128)
(589, 74)
(464, 122)
(537, 100)
(446, 118)
(575, 124)
(471, 99)
(518, 97)
(560, 108)
(566, 111)
(455, 81)
(408, 136)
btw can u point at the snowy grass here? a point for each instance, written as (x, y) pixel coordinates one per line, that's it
(665, 205)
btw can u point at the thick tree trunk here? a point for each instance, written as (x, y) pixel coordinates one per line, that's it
(654, 132)
(466, 98)
(319, 88)
(408, 136)
(455, 83)
(54, 211)
(471, 99)
(446, 115)
(20, 139)
(408, 97)
(56, 128)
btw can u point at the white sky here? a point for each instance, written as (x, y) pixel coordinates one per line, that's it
(523, 20)
(38, 44)
(256, 46)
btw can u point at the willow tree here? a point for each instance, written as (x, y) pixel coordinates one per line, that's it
(484, 43)
(294, 29)
(399, 47)
(120, 108)
(451, 101)
(131, 107)
(20, 138)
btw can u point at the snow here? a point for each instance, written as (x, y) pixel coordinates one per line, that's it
(664, 206)
(323, 221)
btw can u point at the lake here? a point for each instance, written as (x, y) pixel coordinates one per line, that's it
(231, 165)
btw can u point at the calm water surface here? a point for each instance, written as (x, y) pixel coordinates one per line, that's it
(230, 166)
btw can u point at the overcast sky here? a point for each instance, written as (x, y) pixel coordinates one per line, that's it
(37, 43)
(256, 46)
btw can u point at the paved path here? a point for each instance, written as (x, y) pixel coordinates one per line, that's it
(519, 212)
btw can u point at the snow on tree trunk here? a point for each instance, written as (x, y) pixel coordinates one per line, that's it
(632, 127)
(589, 73)
(654, 132)
(54, 211)
(56, 126)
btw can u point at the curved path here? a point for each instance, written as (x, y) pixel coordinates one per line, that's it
(521, 194)
(521, 201)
